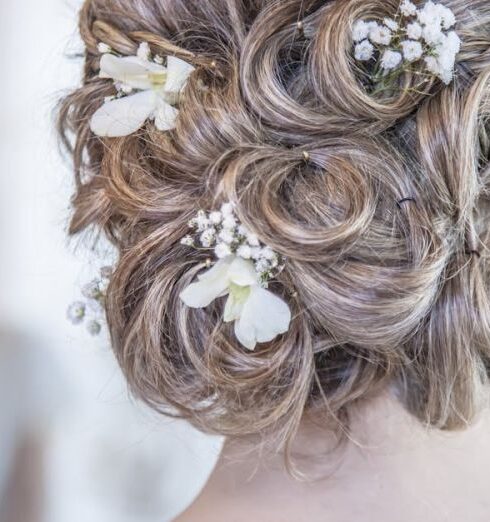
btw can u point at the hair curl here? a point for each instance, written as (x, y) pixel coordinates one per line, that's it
(383, 293)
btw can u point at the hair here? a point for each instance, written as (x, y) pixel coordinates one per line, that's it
(380, 202)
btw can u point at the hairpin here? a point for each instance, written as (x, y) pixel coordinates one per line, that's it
(242, 271)
(146, 90)
(91, 309)
(406, 200)
(415, 36)
(306, 156)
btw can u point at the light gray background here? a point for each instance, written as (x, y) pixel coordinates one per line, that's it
(107, 459)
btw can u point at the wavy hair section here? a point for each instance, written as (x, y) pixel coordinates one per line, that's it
(384, 221)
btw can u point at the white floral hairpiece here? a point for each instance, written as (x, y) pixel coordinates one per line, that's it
(91, 309)
(414, 35)
(243, 270)
(146, 90)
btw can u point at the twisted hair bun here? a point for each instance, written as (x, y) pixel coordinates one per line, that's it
(379, 202)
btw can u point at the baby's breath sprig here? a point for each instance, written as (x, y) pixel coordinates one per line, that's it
(90, 310)
(222, 232)
(414, 37)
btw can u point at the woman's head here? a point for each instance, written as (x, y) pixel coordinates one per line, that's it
(376, 198)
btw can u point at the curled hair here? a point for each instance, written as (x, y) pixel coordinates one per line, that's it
(379, 202)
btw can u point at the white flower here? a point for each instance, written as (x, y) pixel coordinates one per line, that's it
(364, 51)
(453, 42)
(227, 236)
(229, 221)
(253, 240)
(201, 221)
(92, 290)
(391, 24)
(76, 312)
(227, 209)
(380, 35)
(244, 251)
(414, 31)
(391, 59)
(412, 51)
(429, 14)
(433, 34)
(215, 217)
(156, 91)
(103, 48)
(448, 18)
(187, 241)
(207, 237)
(258, 314)
(94, 327)
(360, 31)
(408, 8)
(222, 250)
(158, 59)
(143, 52)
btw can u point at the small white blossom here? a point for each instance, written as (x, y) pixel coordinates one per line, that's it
(144, 51)
(103, 48)
(262, 266)
(391, 60)
(408, 8)
(91, 290)
(360, 31)
(215, 217)
(126, 89)
(158, 59)
(222, 250)
(244, 251)
(268, 253)
(453, 42)
(207, 237)
(253, 240)
(202, 221)
(414, 31)
(229, 221)
(364, 51)
(227, 236)
(448, 17)
(380, 35)
(187, 241)
(227, 209)
(94, 327)
(391, 24)
(412, 50)
(76, 312)
(433, 34)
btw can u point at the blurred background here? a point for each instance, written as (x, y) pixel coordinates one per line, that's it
(73, 444)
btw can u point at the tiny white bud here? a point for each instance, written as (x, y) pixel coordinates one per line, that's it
(103, 48)
(76, 312)
(187, 241)
(222, 250)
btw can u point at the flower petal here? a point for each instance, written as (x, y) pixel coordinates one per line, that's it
(178, 73)
(233, 309)
(123, 116)
(212, 284)
(264, 316)
(242, 272)
(165, 116)
(128, 70)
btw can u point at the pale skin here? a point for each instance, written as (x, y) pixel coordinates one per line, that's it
(393, 470)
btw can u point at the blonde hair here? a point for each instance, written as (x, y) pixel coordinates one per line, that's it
(380, 203)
